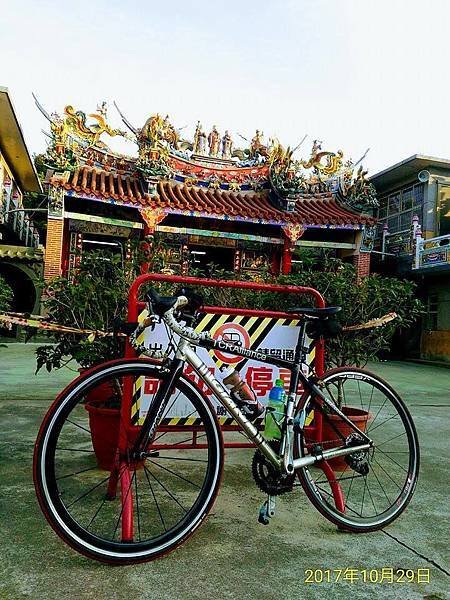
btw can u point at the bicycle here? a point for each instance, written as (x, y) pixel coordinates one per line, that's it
(157, 487)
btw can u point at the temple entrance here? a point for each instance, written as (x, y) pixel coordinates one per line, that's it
(203, 257)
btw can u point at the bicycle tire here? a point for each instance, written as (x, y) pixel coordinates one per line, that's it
(397, 429)
(64, 494)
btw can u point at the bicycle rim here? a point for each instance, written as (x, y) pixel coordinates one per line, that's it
(376, 485)
(97, 498)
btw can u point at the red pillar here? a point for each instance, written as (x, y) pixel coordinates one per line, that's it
(275, 261)
(146, 247)
(286, 261)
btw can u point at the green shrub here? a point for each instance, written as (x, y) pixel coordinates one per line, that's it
(94, 300)
(6, 295)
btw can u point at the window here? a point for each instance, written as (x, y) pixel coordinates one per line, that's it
(393, 224)
(382, 212)
(432, 312)
(406, 220)
(418, 194)
(394, 203)
(407, 199)
(397, 210)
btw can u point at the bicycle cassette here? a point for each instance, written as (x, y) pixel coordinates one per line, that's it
(267, 477)
(357, 460)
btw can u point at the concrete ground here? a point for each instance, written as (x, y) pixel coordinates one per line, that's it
(231, 556)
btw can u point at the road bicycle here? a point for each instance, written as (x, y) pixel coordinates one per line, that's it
(161, 474)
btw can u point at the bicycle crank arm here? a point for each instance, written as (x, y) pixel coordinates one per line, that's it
(325, 455)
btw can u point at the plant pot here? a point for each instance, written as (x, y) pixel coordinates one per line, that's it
(329, 436)
(104, 425)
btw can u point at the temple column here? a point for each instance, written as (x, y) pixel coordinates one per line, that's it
(286, 260)
(275, 261)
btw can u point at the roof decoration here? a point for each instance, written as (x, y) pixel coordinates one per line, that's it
(209, 162)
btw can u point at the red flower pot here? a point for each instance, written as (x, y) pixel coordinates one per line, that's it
(104, 425)
(329, 436)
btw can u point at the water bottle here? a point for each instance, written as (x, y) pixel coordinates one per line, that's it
(242, 394)
(275, 411)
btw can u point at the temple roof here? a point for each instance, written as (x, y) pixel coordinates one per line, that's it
(313, 210)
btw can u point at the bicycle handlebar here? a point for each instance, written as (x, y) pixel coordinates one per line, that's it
(184, 331)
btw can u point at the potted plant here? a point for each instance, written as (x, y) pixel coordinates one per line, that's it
(94, 299)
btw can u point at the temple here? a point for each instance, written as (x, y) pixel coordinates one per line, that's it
(243, 209)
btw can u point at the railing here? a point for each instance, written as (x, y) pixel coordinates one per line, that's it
(18, 222)
(433, 252)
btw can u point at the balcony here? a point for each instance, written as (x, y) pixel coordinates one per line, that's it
(16, 222)
(432, 254)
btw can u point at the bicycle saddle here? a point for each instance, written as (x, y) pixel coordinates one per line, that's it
(160, 304)
(315, 312)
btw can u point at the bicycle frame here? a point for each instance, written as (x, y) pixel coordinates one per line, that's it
(284, 461)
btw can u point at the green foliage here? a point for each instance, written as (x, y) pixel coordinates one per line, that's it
(94, 300)
(372, 298)
(99, 296)
(6, 295)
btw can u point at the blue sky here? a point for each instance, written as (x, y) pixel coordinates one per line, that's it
(352, 73)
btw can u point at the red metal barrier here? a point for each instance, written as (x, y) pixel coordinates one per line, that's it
(135, 306)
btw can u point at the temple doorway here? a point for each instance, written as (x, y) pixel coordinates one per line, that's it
(203, 257)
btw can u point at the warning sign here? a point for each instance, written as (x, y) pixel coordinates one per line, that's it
(273, 337)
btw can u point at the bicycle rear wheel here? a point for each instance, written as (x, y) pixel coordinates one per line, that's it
(100, 501)
(376, 484)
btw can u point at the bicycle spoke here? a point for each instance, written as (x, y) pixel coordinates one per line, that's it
(386, 473)
(76, 473)
(87, 493)
(173, 473)
(79, 426)
(184, 458)
(372, 429)
(75, 450)
(390, 440)
(394, 461)
(164, 487)
(97, 512)
(156, 501)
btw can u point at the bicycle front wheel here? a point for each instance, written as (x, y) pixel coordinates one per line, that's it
(376, 485)
(102, 502)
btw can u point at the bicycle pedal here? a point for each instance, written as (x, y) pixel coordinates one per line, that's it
(267, 510)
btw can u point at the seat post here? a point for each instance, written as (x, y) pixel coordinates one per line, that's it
(300, 348)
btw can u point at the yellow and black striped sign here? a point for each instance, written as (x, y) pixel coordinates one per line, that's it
(257, 329)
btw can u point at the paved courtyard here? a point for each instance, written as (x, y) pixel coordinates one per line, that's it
(231, 556)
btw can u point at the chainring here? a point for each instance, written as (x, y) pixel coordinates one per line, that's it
(267, 477)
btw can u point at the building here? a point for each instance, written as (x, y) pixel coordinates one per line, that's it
(414, 235)
(243, 209)
(21, 256)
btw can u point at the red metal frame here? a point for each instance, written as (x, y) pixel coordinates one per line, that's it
(134, 308)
